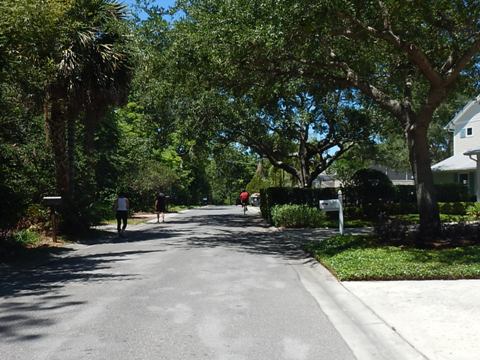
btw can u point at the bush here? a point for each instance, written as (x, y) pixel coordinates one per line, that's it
(297, 216)
(26, 237)
(402, 208)
(281, 196)
(473, 211)
(444, 192)
(369, 189)
(405, 194)
(451, 193)
(453, 208)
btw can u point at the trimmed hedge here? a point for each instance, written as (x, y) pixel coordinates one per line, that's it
(301, 196)
(404, 202)
(445, 193)
(297, 216)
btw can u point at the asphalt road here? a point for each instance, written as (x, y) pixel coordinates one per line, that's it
(207, 284)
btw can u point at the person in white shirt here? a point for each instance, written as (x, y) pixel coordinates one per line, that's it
(121, 209)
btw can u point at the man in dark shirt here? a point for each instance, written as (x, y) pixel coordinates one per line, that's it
(160, 205)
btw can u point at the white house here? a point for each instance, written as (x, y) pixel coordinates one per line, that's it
(464, 166)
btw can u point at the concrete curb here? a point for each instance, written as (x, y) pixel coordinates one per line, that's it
(367, 335)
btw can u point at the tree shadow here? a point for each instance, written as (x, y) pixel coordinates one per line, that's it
(32, 296)
(132, 234)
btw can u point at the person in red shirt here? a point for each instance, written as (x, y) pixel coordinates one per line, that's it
(244, 196)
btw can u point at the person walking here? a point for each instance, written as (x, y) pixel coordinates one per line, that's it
(160, 206)
(121, 211)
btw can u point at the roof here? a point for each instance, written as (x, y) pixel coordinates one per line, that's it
(455, 163)
(475, 151)
(458, 115)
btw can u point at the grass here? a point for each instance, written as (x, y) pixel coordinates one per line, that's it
(177, 208)
(349, 223)
(28, 246)
(415, 218)
(131, 220)
(363, 258)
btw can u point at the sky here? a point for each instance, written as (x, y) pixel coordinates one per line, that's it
(162, 3)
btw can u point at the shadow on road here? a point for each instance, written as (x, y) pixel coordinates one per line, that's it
(31, 295)
(26, 293)
(248, 233)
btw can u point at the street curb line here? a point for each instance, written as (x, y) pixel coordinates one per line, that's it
(367, 335)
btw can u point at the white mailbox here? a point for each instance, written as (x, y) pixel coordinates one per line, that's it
(334, 205)
(330, 205)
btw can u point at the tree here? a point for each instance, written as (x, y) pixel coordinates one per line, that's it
(303, 134)
(90, 73)
(404, 57)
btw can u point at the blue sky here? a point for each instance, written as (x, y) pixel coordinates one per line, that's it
(162, 3)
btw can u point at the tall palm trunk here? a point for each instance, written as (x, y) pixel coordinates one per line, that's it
(56, 133)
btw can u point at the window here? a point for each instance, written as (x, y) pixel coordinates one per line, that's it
(463, 179)
(466, 132)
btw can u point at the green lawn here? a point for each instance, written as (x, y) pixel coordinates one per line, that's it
(362, 258)
(415, 218)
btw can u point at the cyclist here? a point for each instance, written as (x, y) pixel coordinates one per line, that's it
(244, 196)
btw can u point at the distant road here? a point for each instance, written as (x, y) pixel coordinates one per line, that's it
(207, 284)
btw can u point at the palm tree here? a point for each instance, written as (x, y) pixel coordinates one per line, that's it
(92, 73)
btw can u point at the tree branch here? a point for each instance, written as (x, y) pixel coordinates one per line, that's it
(414, 54)
(456, 68)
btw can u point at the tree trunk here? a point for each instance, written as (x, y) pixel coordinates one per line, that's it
(71, 140)
(421, 165)
(56, 131)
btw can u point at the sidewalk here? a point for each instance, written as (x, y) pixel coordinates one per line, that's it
(441, 319)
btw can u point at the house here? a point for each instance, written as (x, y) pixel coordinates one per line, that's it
(398, 177)
(464, 166)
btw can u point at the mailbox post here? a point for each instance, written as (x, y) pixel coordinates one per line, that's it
(53, 202)
(340, 212)
(334, 205)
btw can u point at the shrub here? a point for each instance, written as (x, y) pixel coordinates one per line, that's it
(26, 237)
(281, 195)
(370, 189)
(451, 192)
(473, 211)
(297, 216)
(453, 208)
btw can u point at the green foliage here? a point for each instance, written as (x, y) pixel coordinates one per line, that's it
(454, 208)
(370, 189)
(257, 183)
(297, 216)
(280, 196)
(26, 237)
(363, 258)
(452, 192)
(473, 211)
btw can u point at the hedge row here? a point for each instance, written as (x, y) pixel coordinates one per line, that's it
(403, 203)
(297, 216)
(280, 196)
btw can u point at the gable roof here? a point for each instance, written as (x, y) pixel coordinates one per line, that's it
(451, 123)
(471, 152)
(459, 162)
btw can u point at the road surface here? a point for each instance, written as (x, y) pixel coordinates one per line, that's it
(207, 284)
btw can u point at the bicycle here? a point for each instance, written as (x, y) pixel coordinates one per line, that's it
(245, 209)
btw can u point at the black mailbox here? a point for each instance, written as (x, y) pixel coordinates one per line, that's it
(52, 201)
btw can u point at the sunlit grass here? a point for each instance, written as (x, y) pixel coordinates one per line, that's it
(363, 258)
